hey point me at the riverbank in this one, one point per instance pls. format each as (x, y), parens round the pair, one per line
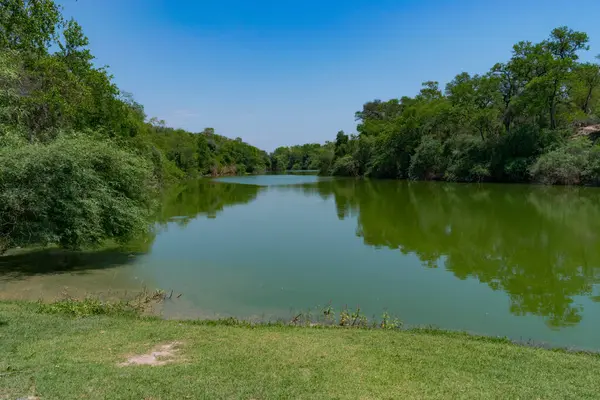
(54, 356)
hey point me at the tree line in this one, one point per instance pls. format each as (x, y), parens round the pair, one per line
(80, 162)
(300, 157)
(533, 118)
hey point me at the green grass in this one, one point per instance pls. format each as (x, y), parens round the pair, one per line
(57, 356)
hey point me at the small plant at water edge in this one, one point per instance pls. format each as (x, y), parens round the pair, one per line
(141, 303)
(329, 314)
(387, 322)
(87, 307)
(358, 318)
(345, 318)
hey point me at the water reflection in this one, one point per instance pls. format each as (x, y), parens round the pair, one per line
(203, 198)
(54, 261)
(539, 245)
(44, 273)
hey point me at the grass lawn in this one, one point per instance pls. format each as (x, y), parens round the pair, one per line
(49, 356)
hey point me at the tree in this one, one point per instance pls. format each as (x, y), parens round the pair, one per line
(75, 192)
(430, 91)
(492, 126)
(11, 109)
(28, 26)
(341, 144)
(204, 154)
(478, 101)
(73, 49)
(562, 47)
(586, 83)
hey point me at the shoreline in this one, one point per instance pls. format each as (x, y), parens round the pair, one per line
(55, 356)
(151, 310)
(151, 304)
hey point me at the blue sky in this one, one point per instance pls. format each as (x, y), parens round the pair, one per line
(290, 72)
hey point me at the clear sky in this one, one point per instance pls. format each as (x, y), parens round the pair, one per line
(290, 72)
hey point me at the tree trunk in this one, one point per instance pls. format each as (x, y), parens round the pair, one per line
(553, 106)
(553, 115)
(587, 100)
(507, 122)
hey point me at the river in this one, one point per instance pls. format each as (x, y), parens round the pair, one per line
(520, 261)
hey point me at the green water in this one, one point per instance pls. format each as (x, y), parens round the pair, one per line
(510, 260)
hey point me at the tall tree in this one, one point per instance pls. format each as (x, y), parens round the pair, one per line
(587, 81)
(28, 25)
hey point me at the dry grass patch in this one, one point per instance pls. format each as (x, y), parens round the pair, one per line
(160, 355)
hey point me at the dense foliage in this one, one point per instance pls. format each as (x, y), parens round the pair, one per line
(514, 123)
(72, 191)
(207, 153)
(78, 158)
(300, 157)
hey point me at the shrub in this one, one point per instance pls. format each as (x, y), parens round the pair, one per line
(74, 192)
(364, 153)
(428, 160)
(392, 153)
(517, 169)
(240, 169)
(575, 162)
(137, 305)
(164, 170)
(592, 171)
(467, 159)
(345, 166)
(326, 162)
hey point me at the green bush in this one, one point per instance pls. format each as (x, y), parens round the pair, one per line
(428, 161)
(592, 171)
(517, 169)
(576, 162)
(345, 166)
(164, 170)
(467, 159)
(74, 192)
(326, 162)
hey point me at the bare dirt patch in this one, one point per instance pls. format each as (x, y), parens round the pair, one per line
(591, 131)
(160, 355)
